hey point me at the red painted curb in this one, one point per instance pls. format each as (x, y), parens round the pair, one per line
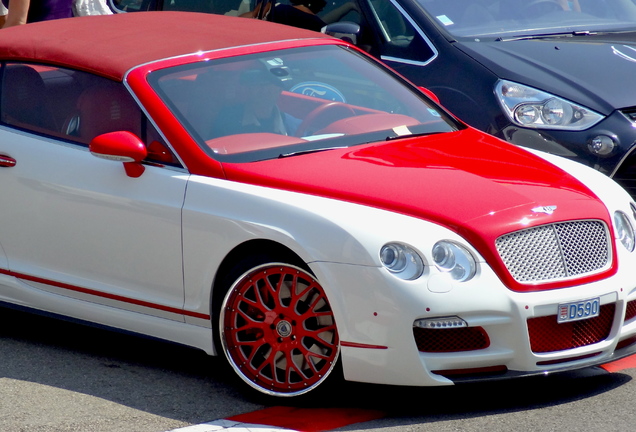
(619, 365)
(308, 419)
(325, 419)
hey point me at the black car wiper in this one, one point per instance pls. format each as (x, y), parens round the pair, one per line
(546, 36)
(308, 151)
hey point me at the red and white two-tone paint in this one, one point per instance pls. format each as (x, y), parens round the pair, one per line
(277, 197)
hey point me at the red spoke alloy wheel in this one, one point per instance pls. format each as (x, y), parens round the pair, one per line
(278, 330)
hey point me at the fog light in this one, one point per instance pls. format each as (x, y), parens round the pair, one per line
(440, 323)
(601, 145)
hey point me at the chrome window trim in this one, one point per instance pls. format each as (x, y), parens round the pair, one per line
(155, 125)
(114, 8)
(417, 29)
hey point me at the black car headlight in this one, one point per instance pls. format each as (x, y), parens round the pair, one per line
(528, 107)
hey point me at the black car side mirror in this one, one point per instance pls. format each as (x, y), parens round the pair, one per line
(345, 30)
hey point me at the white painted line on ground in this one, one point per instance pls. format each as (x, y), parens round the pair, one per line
(230, 426)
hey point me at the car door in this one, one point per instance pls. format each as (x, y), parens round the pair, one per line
(77, 225)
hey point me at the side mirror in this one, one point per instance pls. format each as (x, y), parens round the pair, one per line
(430, 94)
(122, 146)
(345, 30)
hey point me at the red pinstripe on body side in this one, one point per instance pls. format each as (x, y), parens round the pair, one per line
(103, 294)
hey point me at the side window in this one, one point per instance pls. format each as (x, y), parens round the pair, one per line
(71, 105)
(102, 106)
(341, 10)
(402, 40)
(24, 101)
(222, 7)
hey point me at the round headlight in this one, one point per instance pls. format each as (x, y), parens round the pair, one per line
(533, 108)
(402, 260)
(556, 112)
(454, 260)
(526, 114)
(624, 230)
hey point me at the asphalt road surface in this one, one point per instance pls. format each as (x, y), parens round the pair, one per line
(60, 376)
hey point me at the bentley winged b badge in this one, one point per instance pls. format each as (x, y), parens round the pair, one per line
(545, 209)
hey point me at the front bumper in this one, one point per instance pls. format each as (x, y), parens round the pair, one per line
(485, 375)
(375, 314)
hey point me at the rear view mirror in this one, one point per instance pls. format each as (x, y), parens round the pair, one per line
(430, 94)
(123, 147)
(345, 30)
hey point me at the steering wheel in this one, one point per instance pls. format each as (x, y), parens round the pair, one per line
(322, 116)
(538, 8)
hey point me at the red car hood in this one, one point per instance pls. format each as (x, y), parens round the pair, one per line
(474, 184)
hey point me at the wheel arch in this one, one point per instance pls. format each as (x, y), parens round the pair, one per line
(254, 249)
(253, 257)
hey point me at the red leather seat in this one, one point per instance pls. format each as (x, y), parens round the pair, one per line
(104, 108)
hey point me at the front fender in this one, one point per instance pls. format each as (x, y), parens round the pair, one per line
(220, 215)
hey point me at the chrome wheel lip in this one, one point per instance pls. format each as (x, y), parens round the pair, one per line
(237, 368)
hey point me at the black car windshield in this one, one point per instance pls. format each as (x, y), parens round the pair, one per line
(505, 18)
(291, 102)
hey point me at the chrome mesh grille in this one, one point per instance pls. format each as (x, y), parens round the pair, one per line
(556, 251)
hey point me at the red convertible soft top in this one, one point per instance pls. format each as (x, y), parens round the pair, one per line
(110, 45)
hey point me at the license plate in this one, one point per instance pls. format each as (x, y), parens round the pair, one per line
(579, 310)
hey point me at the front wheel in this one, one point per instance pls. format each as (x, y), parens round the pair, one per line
(278, 330)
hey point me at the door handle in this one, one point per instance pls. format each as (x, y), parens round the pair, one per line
(6, 161)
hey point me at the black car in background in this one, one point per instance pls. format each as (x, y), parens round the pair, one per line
(554, 75)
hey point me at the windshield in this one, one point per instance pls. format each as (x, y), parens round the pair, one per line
(289, 102)
(482, 18)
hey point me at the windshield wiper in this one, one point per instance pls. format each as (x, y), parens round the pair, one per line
(547, 36)
(308, 151)
(412, 135)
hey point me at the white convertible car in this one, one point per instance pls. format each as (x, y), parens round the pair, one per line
(279, 198)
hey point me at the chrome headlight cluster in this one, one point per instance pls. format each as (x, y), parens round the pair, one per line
(454, 260)
(529, 107)
(402, 260)
(624, 230)
(450, 258)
